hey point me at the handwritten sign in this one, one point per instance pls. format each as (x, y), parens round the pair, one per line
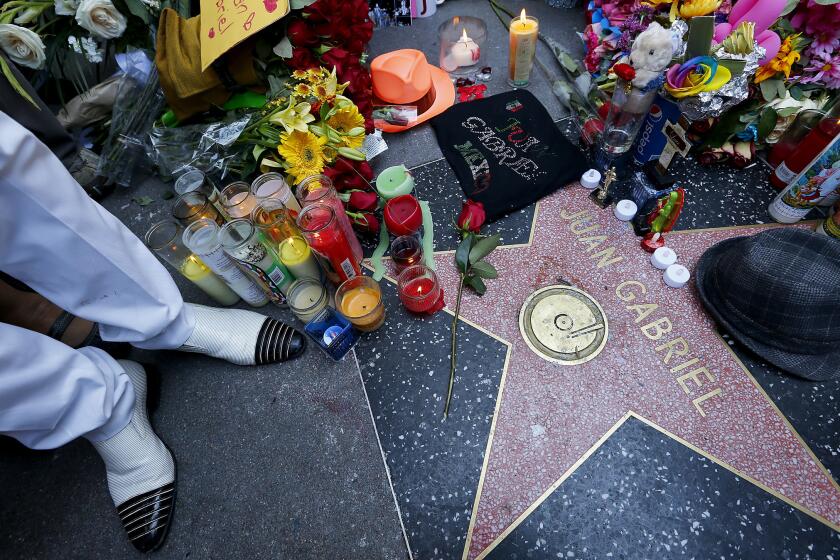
(226, 23)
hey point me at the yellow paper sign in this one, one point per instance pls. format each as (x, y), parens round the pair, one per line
(225, 23)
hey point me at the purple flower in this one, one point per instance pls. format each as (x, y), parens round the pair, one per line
(825, 69)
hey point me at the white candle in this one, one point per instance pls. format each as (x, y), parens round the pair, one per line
(625, 210)
(663, 257)
(272, 185)
(591, 179)
(465, 52)
(307, 298)
(676, 276)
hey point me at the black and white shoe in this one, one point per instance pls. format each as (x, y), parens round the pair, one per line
(242, 337)
(141, 472)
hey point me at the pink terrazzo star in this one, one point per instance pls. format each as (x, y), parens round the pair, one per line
(550, 415)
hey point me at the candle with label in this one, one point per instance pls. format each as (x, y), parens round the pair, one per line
(296, 255)
(274, 220)
(202, 238)
(165, 239)
(240, 239)
(524, 32)
(307, 298)
(319, 189)
(360, 300)
(419, 290)
(326, 237)
(273, 185)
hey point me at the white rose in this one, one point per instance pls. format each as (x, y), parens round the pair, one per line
(66, 7)
(28, 16)
(101, 18)
(22, 46)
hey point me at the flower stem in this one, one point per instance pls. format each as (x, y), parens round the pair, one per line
(453, 351)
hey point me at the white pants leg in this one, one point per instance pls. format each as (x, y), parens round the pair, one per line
(76, 254)
(51, 394)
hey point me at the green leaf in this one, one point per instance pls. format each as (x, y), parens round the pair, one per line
(168, 195)
(139, 9)
(300, 4)
(283, 49)
(7, 72)
(766, 123)
(477, 284)
(789, 7)
(258, 150)
(143, 200)
(484, 247)
(797, 93)
(770, 89)
(462, 254)
(486, 270)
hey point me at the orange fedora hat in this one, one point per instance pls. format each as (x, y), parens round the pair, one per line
(404, 77)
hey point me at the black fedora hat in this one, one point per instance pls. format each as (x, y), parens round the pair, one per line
(778, 293)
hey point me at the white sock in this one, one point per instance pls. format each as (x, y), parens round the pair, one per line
(136, 461)
(235, 334)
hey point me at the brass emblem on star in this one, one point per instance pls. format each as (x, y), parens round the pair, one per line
(563, 324)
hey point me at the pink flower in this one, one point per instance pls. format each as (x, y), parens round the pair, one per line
(819, 22)
(825, 69)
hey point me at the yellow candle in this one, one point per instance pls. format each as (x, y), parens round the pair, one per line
(360, 300)
(297, 256)
(524, 32)
(197, 272)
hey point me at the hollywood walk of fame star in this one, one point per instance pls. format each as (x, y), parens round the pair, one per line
(551, 416)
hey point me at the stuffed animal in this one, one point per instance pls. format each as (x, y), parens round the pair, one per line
(650, 54)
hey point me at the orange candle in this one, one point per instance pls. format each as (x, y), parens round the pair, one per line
(360, 300)
(524, 32)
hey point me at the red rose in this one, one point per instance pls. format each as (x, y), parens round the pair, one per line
(591, 130)
(364, 168)
(472, 216)
(363, 200)
(702, 126)
(300, 34)
(336, 57)
(743, 156)
(624, 71)
(302, 59)
(366, 223)
(604, 110)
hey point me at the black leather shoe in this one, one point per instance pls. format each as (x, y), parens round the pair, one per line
(278, 342)
(146, 518)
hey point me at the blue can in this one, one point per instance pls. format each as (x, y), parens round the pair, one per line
(651, 140)
(332, 333)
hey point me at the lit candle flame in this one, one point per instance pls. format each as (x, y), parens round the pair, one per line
(464, 37)
(522, 19)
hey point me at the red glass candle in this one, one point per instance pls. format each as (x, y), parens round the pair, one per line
(319, 189)
(809, 148)
(420, 291)
(403, 215)
(325, 235)
(406, 251)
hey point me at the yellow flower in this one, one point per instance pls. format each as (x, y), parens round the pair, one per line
(294, 117)
(694, 8)
(303, 89)
(299, 74)
(350, 124)
(782, 62)
(303, 153)
(320, 91)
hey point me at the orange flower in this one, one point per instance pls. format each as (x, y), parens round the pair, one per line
(782, 62)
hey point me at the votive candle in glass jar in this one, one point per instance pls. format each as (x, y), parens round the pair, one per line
(360, 300)
(523, 35)
(325, 235)
(241, 240)
(406, 251)
(419, 290)
(273, 185)
(296, 255)
(196, 181)
(274, 220)
(319, 189)
(307, 298)
(166, 240)
(192, 206)
(237, 200)
(461, 40)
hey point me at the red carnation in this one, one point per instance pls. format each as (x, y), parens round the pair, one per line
(302, 59)
(338, 58)
(624, 71)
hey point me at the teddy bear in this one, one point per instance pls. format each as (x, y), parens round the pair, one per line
(650, 54)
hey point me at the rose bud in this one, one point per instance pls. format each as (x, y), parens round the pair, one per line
(363, 200)
(366, 223)
(472, 216)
